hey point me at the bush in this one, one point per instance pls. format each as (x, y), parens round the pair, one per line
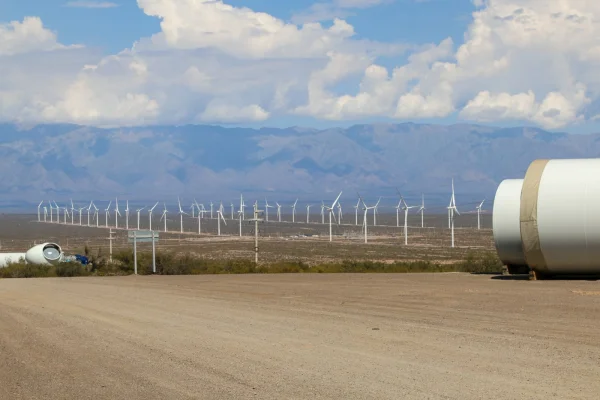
(483, 263)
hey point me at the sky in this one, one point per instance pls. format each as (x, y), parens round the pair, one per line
(300, 62)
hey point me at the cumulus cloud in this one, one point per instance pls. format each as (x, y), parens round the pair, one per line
(521, 60)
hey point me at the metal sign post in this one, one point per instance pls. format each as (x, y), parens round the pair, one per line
(143, 237)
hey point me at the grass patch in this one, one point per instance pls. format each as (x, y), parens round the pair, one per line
(168, 263)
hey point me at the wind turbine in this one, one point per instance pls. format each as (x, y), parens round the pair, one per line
(80, 210)
(45, 214)
(89, 209)
(219, 218)
(138, 216)
(150, 215)
(451, 210)
(308, 206)
(211, 210)
(39, 213)
(164, 216)
(96, 216)
(322, 212)
(106, 214)
(51, 211)
(232, 210)
(66, 213)
(375, 208)
(365, 222)
(340, 214)
(127, 215)
(294, 211)
(117, 213)
(422, 209)
(267, 206)
(193, 207)
(241, 212)
(405, 207)
(181, 213)
(356, 207)
(330, 210)
(200, 215)
(73, 209)
(479, 214)
(278, 211)
(398, 208)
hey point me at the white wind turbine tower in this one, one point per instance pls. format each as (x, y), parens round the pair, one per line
(96, 215)
(479, 209)
(294, 211)
(164, 216)
(181, 213)
(39, 213)
(375, 212)
(398, 208)
(308, 206)
(322, 212)
(356, 207)
(365, 222)
(73, 209)
(138, 211)
(405, 207)
(117, 213)
(422, 209)
(150, 215)
(340, 214)
(278, 211)
(65, 214)
(211, 210)
(127, 215)
(80, 210)
(219, 218)
(51, 211)
(232, 210)
(45, 214)
(267, 206)
(192, 207)
(89, 210)
(106, 214)
(331, 211)
(451, 210)
(57, 212)
(200, 215)
(241, 212)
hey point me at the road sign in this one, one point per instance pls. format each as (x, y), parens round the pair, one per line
(142, 236)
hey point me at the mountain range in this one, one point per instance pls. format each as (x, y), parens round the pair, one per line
(59, 162)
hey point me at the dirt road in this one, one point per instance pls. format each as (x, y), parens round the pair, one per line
(427, 336)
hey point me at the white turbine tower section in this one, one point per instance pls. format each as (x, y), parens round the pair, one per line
(405, 207)
(308, 206)
(138, 211)
(267, 206)
(398, 208)
(127, 215)
(422, 209)
(479, 209)
(340, 213)
(57, 208)
(150, 211)
(331, 211)
(356, 207)
(164, 216)
(294, 211)
(117, 213)
(181, 214)
(106, 214)
(39, 212)
(51, 211)
(73, 209)
(232, 210)
(45, 214)
(65, 214)
(322, 212)
(219, 218)
(452, 209)
(278, 211)
(211, 210)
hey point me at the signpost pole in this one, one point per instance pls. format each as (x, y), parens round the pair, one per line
(153, 254)
(135, 252)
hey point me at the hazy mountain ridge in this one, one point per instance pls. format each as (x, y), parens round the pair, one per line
(162, 162)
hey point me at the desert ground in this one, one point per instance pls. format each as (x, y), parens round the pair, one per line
(278, 240)
(317, 336)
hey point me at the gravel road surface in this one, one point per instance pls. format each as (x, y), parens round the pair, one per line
(404, 336)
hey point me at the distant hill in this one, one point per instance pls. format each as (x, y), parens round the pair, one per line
(212, 162)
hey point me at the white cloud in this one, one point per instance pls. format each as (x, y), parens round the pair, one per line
(522, 60)
(326, 11)
(91, 4)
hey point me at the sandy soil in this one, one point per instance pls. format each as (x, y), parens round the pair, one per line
(424, 336)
